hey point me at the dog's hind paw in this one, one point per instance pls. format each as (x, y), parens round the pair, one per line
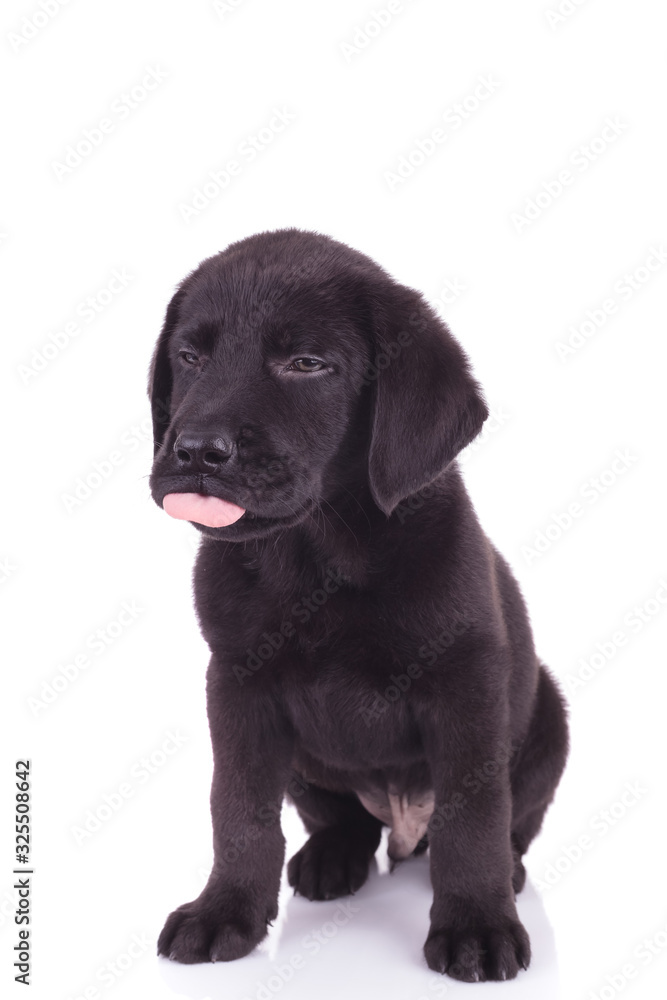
(333, 862)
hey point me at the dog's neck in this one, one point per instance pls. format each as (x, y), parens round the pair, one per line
(339, 535)
(345, 537)
(335, 541)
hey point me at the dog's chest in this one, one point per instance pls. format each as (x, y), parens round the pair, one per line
(378, 755)
(338, 663)
(339, 716)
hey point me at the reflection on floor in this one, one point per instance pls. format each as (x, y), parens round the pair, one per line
(366, 945)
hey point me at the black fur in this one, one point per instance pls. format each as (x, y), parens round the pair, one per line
(364, 632)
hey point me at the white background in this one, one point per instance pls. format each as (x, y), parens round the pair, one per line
(454, 223)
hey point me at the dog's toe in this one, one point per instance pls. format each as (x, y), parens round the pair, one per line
(477, 953)
(197, 932)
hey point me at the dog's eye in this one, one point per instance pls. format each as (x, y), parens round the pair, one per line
(188, 357)
(306, 365)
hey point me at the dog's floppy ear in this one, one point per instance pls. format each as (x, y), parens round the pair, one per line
(427, 405)
(159, 375)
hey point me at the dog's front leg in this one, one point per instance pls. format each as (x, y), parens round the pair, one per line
(475, 931)
(252, 747)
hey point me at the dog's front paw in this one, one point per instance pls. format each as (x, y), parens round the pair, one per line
(478, 952)
(212, 930)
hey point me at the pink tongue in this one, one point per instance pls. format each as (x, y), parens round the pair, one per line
(211, 511)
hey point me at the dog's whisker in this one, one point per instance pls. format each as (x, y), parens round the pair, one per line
(341, 518)
(358, 503)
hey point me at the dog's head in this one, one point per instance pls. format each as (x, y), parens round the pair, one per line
(290, 367)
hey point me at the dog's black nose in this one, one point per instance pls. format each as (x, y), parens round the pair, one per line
(202, 451)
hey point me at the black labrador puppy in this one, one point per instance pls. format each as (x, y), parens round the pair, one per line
(372, 657)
